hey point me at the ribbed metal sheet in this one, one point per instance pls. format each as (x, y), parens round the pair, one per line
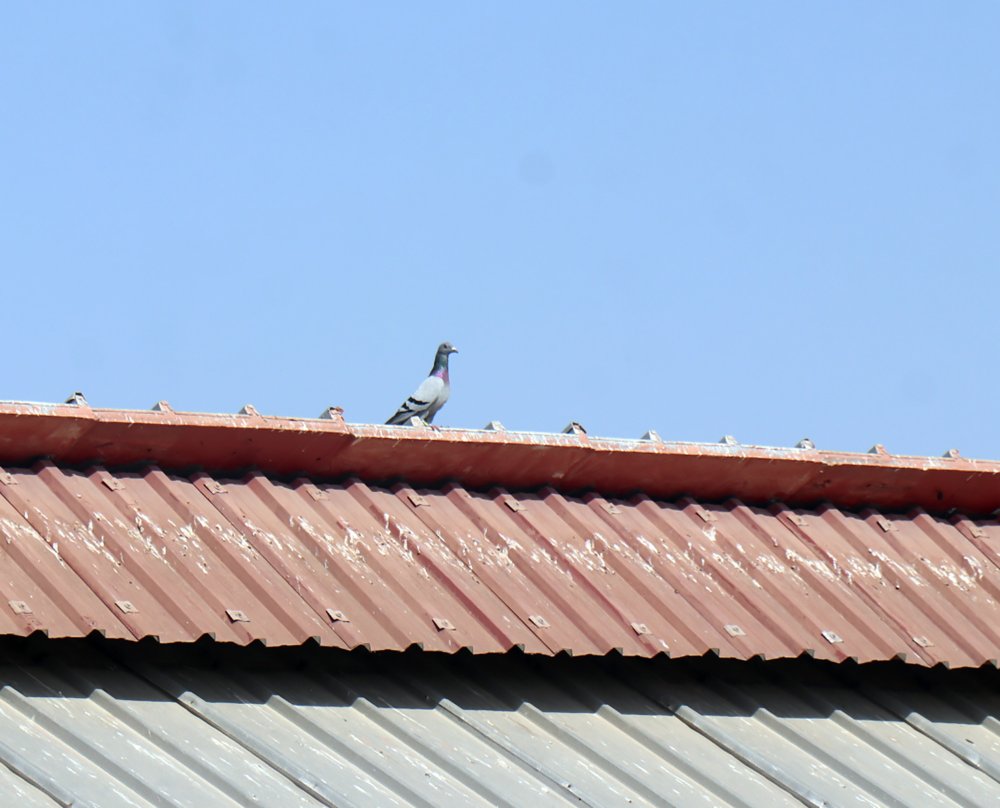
(415, 731)
(176, 557)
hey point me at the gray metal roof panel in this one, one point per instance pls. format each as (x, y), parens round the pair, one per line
(137, 729)
(22, 782)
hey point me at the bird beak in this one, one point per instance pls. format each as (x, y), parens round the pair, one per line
(453, 350)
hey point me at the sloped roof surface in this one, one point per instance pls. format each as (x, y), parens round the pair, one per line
(177, 557)
(364, 561)
(140, 731)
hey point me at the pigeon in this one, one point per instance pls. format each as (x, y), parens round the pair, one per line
(432, 393)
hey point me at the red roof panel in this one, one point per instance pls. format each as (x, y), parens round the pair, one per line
(446, 565)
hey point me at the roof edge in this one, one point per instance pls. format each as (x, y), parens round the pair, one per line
(328, 447)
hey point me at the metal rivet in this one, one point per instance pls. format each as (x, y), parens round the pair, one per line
(952, 454)
(640, 628)
(728, 440)
(416, 500)
(610, 507)
(513, 504)
(494, 426)
(19, 607)
(338, 616)
(236, 616)
(832, 637)
(441, 624)
(126, 606)
(538, 620)
(214, 487)
(734, 630)
(7, 478)
(574, 428)
(652, 435)
(923, 642)
(705, 516)
(884, 523)
(249, 409)
(805, 443)
(112, 482)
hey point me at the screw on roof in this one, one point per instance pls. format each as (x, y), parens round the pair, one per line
(653, 435)
(162, 406)
(112, 483)
(249, 409)
(878, 449)
(332, 414)
(952, 453)
(495, 426)
(78, 399)
(729, 440)
(805, 443)
(213, 486)
(417, 500)
(574, 428)
(513, 504)
(705, 516)
(316, 493)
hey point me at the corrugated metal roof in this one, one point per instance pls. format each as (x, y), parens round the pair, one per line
(80, 729)
(178, 557)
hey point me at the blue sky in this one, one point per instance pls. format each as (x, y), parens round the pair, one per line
(769, 220)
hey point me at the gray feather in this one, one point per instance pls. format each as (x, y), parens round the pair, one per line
(432, 393)
(425, 402)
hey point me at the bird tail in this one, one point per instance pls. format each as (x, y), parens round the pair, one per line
(400, 417)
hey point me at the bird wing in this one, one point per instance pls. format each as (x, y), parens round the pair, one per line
(438, 403)
(421, 402)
